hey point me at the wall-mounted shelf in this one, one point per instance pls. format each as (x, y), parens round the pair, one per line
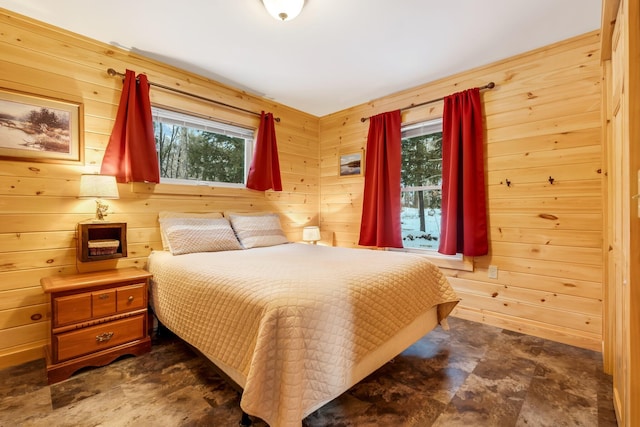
(101, 240)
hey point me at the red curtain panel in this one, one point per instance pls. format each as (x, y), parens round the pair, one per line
(264, 172)
(131, 153)
(464, 205)
(380, 224)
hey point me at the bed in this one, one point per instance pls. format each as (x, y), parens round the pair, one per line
(296, 325)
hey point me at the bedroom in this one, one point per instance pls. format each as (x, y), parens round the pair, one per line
(543, 120)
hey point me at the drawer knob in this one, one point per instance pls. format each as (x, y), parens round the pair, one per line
(106, 336)
(130, 298)
(103, 296)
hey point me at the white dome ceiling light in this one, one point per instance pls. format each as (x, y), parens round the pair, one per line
(283, 10)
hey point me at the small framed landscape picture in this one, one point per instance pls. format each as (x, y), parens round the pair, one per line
(351, 164)
(39, 129)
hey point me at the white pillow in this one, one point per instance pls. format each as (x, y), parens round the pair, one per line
(188, 235)
(168, 214)
(257, 230)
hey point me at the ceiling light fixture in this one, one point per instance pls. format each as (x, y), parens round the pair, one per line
(283, 10)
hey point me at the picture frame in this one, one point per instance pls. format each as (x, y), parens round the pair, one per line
(351, 163)
(40, 129)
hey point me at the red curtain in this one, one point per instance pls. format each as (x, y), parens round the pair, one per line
(131, 153)
(464, 206)
(380, 224)
(264, 172)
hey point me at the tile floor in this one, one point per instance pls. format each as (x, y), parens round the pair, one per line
(472, 375)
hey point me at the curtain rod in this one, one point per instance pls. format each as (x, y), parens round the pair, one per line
(114, 73)
(489, 85)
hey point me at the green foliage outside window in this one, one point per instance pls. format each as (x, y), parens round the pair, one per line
(217, 158)
(422, 165)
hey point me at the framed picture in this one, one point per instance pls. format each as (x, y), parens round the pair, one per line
(39, 129)
(351, 164)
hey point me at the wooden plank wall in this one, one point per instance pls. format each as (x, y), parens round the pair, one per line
(542, 121)
(39, 209)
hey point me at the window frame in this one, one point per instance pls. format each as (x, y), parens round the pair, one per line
(453, 262)
(205, 123)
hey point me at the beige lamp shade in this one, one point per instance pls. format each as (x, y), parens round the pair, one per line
(311, 234)
(283, 10)
(99, 187)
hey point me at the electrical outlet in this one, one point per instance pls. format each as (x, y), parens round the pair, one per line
(493, 272)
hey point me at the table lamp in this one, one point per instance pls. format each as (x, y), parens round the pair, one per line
(311, 234)
(99, 187)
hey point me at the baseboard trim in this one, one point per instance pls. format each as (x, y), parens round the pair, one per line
(18, 355)
(530, 327)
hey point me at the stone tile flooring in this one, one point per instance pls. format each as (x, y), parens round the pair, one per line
(472, 375)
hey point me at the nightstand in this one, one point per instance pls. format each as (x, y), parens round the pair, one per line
(96, 318)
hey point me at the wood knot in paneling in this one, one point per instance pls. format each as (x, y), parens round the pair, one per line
(548, 216)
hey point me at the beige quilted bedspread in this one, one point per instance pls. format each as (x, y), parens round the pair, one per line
(293, 319)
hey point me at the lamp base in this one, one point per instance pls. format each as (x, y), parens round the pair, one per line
(101, 211)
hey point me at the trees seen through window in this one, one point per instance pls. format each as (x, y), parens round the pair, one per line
(195, 149)
(421, 180)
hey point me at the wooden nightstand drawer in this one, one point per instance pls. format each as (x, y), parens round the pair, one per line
(131, 297)
(71, 309)
(104, 303)
(99, 337)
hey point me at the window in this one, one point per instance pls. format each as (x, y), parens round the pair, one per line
(192, 149)
(421, 193)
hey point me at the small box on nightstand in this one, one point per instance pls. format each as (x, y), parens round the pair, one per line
(102, 240)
